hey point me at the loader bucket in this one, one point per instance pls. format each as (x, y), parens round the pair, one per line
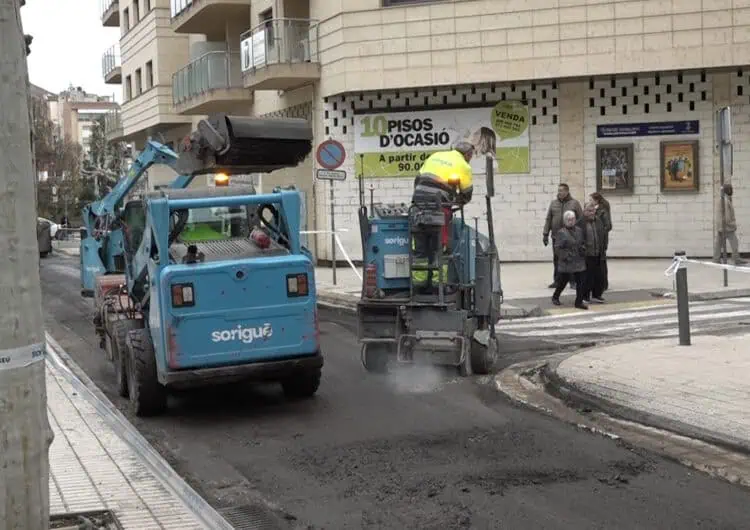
(236, 144)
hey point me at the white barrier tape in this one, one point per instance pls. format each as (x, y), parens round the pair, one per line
(21, 357)
(679, 260)
(346, 256)
(324, 231)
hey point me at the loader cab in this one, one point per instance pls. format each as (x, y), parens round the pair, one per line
(133, 220)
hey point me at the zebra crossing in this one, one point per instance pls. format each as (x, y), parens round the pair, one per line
(658, 321)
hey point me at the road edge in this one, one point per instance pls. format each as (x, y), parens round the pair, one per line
(201, 509)
(522, 385)
(573, 394)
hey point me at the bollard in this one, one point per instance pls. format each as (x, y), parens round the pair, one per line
(683, 302)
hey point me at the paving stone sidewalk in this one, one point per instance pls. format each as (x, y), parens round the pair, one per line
(700, 390)
(92, 468)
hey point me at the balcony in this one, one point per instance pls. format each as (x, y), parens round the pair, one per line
(207, 17)
(211, 83)
(111, 69)
(280, 54)
(113, 126)
(109, 10)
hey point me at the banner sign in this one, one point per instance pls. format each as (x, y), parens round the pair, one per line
(396, 144)
(663, 128)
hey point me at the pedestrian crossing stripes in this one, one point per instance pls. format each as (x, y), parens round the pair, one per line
(653, 321)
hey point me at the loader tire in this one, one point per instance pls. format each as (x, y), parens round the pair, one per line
(147, 396)
(483, 357)
(119, 349)
(375, 358)
(302, 384)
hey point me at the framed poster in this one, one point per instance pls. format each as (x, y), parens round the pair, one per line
(614, 168)
(679, 166)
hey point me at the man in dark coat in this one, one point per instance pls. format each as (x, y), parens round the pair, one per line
(594, 236)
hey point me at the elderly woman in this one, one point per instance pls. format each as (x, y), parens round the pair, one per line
(594, 235)
(570, 248)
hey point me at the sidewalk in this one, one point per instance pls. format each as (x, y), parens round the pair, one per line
(700, 391)
(525, 284)
(93, 468)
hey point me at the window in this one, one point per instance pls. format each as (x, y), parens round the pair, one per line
(128, 88)
(125, 20)
(146, 6)
(138, 82)
(149, 75)
(136, 12)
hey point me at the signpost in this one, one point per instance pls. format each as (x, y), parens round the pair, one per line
(724, 141)
(331, 174)
(330, 156)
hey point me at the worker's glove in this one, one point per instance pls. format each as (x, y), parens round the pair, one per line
(545, 239)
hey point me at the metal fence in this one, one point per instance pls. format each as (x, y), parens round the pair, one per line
(214, 70)
(280, 41)
(178, 6)
(110, 60)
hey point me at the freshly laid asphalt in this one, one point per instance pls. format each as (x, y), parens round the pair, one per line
(412, 450)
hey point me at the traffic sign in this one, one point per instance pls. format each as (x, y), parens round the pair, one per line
(329, 174)
(330, 154)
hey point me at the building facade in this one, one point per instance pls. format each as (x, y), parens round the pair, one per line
(615, 96)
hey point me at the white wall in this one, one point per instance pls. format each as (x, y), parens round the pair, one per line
(520, 201)
(649, 223)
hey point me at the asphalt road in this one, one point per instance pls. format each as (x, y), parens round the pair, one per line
(423, 451)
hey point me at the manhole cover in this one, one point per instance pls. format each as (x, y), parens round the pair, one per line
(253, 517)
(99, 520)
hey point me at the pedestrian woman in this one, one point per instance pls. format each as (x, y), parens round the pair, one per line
(570, 248)
(593, 236)
(604, 214)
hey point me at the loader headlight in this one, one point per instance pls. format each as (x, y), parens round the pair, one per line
(182, 295)
(296, 285)
(221, 179)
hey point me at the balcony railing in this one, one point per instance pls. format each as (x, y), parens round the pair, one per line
(279, 41)
(110, 60)
(214, 70)
(178, 6)
(106, 5)
(112, 123)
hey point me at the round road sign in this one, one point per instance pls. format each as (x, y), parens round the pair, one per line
(331, 154)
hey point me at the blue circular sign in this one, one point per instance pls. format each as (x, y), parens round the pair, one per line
(331, 154)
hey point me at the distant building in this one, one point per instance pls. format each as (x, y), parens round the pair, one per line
(74, 113)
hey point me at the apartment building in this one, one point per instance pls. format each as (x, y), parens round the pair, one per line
(74, 113)
(616, 96)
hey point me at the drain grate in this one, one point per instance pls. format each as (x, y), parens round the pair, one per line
(253, 517)
(95, 520)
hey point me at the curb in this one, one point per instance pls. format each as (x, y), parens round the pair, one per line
(169, 478)
(346, 304)
(704, 297)
(574, 396)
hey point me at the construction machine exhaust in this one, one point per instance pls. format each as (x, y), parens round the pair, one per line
(242, 145)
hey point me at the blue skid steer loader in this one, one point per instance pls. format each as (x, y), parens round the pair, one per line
(450, 323)
(201, 286)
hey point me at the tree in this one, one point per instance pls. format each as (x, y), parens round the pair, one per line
(60, 160)
(104, 164)
(25, 434)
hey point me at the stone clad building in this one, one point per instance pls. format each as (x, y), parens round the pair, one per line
(612, 95)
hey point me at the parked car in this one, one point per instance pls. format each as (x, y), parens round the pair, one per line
(53, 227)
(44, 236)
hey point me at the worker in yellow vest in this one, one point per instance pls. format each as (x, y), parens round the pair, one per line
(445, 179)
